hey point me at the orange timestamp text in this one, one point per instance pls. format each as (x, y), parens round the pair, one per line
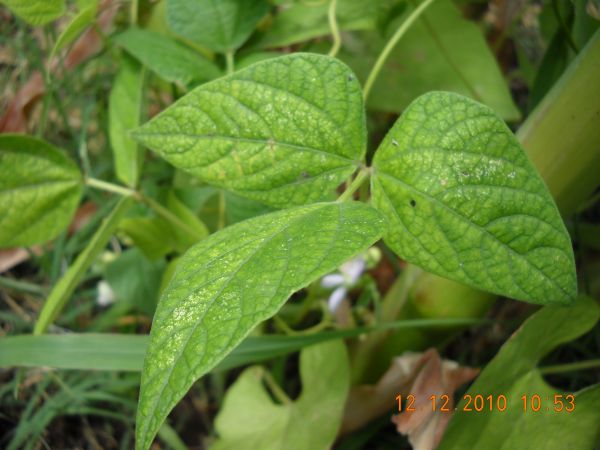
(488, 403)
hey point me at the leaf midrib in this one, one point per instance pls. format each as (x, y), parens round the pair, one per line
(242, 140)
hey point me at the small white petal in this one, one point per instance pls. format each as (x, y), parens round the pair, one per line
(332, 280)
(353, 269)
(106, 295)
(336, 298)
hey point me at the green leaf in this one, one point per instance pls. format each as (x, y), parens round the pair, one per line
(182, 240)
(36, 12)
(250, 419)
(75, 27)
(40, 188)
(513, 373)
(231, 281)
(62, 291)
(217, 25)
(286, 131)
(299, 21)
(440, 51)
(150, 234)
(169, 59)
(465, 202)
(124, 109)
(135, 280)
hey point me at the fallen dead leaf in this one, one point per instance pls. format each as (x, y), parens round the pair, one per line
(418, 374)
(16, 114)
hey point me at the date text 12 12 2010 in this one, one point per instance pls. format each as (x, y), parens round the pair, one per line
(487, 403)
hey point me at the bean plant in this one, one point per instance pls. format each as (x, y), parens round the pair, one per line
(449, 189)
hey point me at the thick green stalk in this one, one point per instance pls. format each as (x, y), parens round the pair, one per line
(562, 135)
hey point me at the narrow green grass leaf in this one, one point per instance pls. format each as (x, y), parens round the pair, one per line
(464, 202)
(228, 283)
(36, 12)
(166, 57)
(40, 188)
(285, 131)
(62, 291)
(124, 109)
(123, 352)
(249, 418)
(513, 373)
(75, 27)
(217, 25)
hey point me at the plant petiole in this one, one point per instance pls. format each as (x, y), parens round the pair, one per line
(364, 173)
(151, 203)
(390, 46)
(335, 31)
(111, 187)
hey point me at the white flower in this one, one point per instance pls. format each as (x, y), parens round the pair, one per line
(106, 295)
(349, 274)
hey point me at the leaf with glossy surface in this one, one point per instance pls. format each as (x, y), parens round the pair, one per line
(124, 109)
(36, 12)
(286, 131)
(464, 202)
(40, 188)
(166, 57)
(250, 419)
(513, 373)
(231, 281)
(217, 25)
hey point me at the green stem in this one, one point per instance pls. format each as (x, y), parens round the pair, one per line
(276, 390)
(169, 216)
(151, 203)
(335, 31)
(571, 367)
(22, 286)
(230, 61)
(390, 46)
(355, 185)
(133, 13)
(111, 187)
(221, 216)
